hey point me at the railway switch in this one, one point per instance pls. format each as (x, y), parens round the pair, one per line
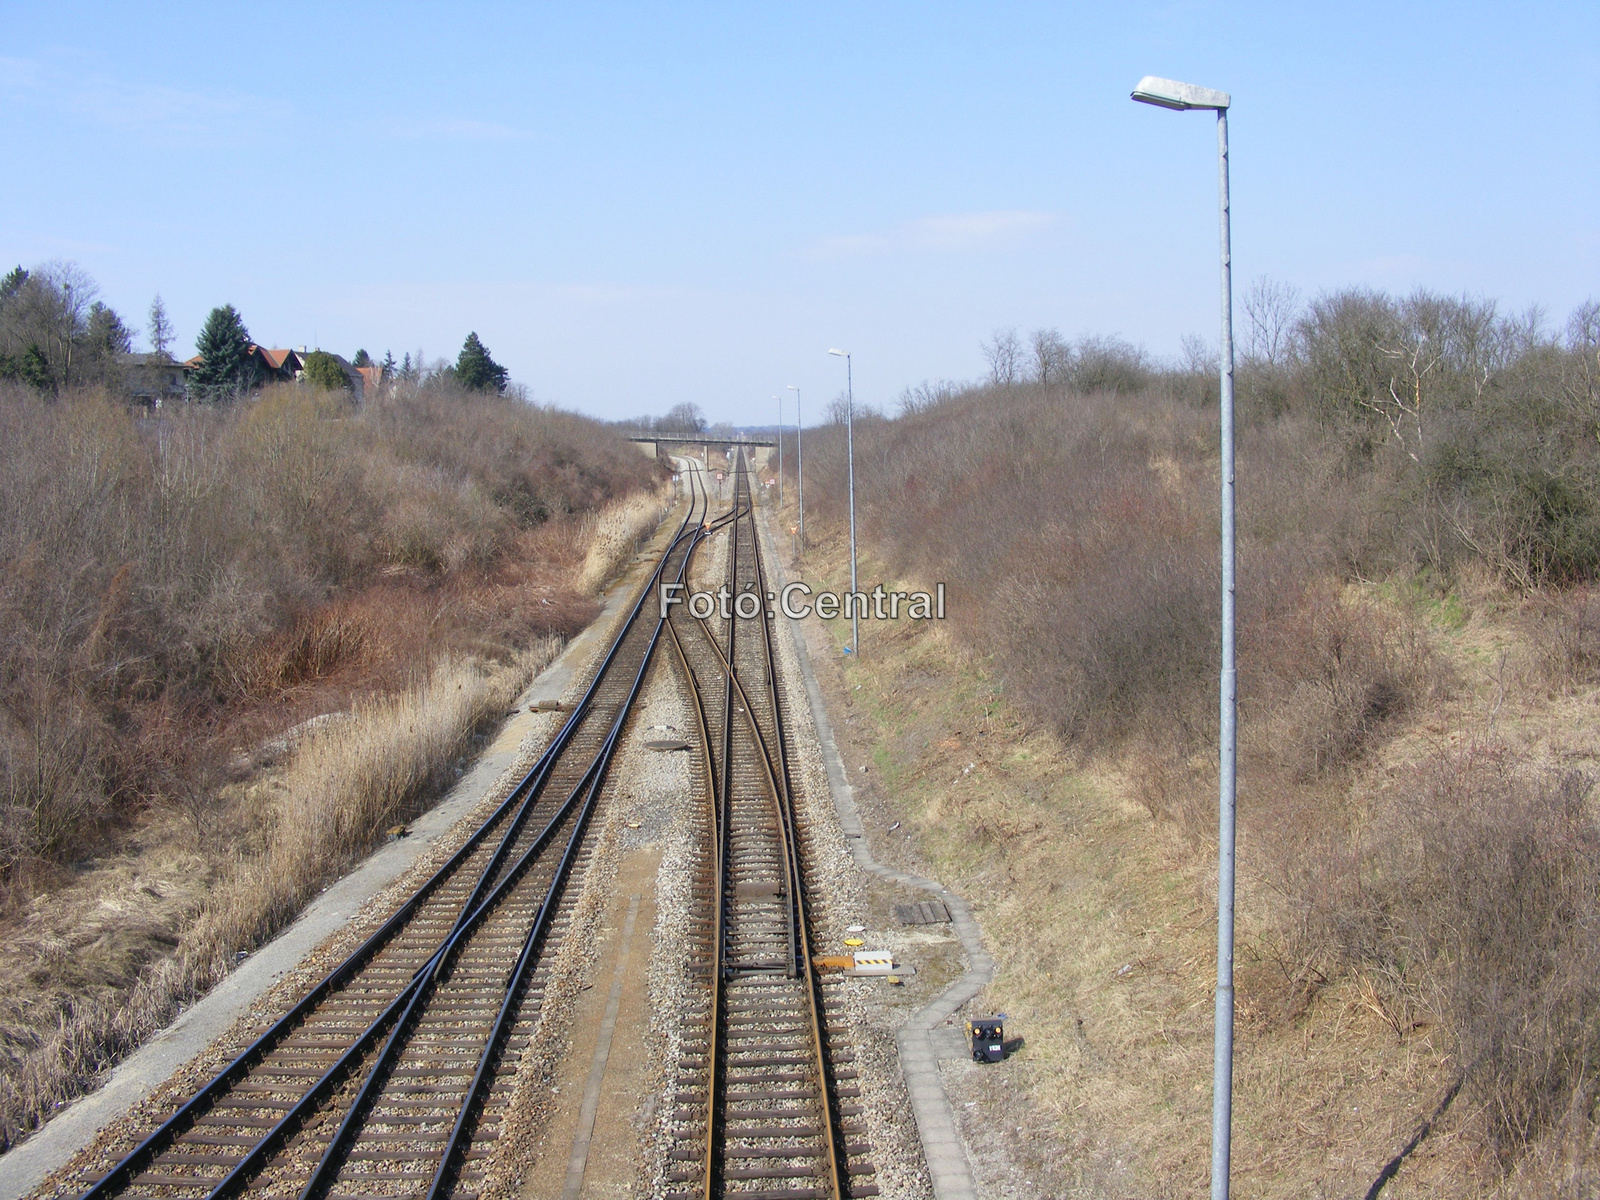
(988, 1038)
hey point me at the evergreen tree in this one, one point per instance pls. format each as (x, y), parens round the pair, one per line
(407, 371)
(226, 366)
(476, 370)
(107, 336)
(160, 327)
(388, 365)
(362, 359)
(12, 283)
(30, 367)
(323, 369)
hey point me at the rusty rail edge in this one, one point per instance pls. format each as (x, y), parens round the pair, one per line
(942, 1145)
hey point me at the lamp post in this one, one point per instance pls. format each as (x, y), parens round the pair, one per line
(779, 399)
(850, 452)
(1168, 93)
(800, 459)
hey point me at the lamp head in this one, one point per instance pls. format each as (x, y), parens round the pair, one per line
(1169, 93)
(840, 353)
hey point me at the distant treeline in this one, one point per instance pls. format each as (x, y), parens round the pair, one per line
(56, 334)
(1480, 429)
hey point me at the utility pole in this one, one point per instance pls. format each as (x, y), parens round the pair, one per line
(800, 459)
(1168, 93)
(850, 451)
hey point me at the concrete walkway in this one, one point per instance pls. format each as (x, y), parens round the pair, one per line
(25, 1167)
(922, 1043)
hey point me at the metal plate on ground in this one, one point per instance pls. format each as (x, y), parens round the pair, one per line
(927, 912)
(756, 891)
(665, 744)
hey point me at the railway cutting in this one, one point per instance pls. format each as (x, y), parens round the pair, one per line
(392, 1076)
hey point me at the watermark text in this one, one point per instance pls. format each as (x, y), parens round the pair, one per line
(798, 600)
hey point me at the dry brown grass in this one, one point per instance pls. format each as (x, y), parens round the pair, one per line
(1407, 912)
(1479, 905)
(298, 828)
(1102, 922)
(178, 593)
(614, 534)
(182, 573)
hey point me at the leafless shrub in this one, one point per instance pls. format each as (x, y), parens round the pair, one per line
(1565, 632)
(1338, 671)
(1480, 902)
(345, 784)
(202, 561)
(925, 396)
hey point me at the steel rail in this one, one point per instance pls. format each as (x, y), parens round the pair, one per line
(255, 1159)
(240, 1175)
(776, 773)
(830, 1102)
(589, 787)
(486, 1062)
(443, 1175)
(698, 704)
(527, 789)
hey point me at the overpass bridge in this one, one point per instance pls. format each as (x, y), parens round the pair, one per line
(758, 449)
(703, 439)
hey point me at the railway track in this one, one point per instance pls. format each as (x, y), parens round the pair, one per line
(765, 1106)
(388, 1077)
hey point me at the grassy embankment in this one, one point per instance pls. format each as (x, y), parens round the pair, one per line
(241, 643)
(1419, 885)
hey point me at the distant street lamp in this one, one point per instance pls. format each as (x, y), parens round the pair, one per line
(1168, 93)
(779, 399)
(850, 452)
(800, 459)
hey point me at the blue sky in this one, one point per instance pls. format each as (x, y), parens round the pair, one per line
(636, 205)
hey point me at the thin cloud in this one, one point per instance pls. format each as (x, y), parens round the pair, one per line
(956, 231)
(135, 107)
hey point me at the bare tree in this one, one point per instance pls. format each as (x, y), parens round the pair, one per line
(1271, 311)
(50, 314)
(1108, 364)
(926, 396)
(160, 328)
(1582, 380)
(1004, 352)
(1445, 345)
(1402, 406)
(74, 295)
(1200, 357)
(682, 418)
(1052, 357)
(837, 411)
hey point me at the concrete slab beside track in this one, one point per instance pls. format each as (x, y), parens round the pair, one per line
(922, 1041)
(25, 1167)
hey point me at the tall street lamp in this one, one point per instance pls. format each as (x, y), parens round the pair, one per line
(800, 459)
(1168, 93)
(850, 451)
(779, 399)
